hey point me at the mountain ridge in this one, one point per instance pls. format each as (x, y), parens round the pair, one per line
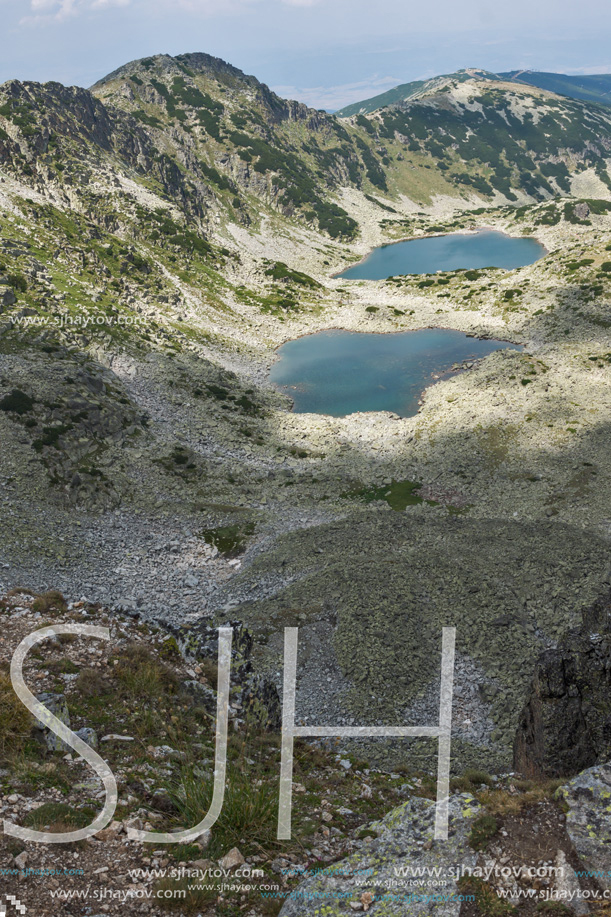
(591, 88)
(221, 149)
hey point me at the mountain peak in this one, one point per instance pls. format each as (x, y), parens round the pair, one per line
(196, 62)
(591, 88)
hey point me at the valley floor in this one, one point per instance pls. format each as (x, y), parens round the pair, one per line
(204, 495)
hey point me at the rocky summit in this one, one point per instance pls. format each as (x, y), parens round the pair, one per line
(161, 235)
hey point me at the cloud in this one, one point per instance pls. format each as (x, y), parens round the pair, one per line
(45, 11)
(331, 98)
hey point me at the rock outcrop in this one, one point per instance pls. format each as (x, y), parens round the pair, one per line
(588, 821)
(256, 696)
(566, 724)
(379, 877)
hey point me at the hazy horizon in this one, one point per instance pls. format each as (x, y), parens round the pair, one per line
(327, 53)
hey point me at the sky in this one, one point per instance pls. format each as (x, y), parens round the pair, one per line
(327, 53)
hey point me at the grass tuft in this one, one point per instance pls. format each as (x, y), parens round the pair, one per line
(15, 721)
(50, 602)
(248, 815)
(483, 830)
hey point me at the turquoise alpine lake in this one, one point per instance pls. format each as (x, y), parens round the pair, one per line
(468, 251)
(342, 372)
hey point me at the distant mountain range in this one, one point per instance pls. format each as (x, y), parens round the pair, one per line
(221, 148)
(594, 88)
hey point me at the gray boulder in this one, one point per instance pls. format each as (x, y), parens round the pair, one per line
(383, 876)
(582, 210)
(7, 297)
(55, 704)
(588, 821)
(89, 736)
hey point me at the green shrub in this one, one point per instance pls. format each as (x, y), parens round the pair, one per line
(280, 271)
(213, 175)
(486, 898)
(50, 602)
(477, 777)
(145, 118)
(229, 539)
(399, 494)
(91, 683)
(18, 282)
(188, 897)
(143, 675)
(247, 405)
(483, 830)
(17, 402)
(58, 817)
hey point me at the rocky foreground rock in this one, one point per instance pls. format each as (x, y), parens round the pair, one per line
(377, 878)
(588, 820)
(530, 853)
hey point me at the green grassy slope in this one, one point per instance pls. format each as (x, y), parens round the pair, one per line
(494, 137)
(591, 88)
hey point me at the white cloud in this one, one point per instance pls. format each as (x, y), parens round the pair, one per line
(45, 11)
(104, 4)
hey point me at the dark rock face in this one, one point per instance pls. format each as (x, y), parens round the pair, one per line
(7, 298)
(257, 696)
(566, 725)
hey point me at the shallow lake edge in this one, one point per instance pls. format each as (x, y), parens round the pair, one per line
(338, 275)
(448, 373)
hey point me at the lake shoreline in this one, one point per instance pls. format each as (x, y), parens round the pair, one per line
(408, 390)
(339, 275)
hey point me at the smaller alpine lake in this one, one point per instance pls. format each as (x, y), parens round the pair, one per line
(468, 251)
(342, 372)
